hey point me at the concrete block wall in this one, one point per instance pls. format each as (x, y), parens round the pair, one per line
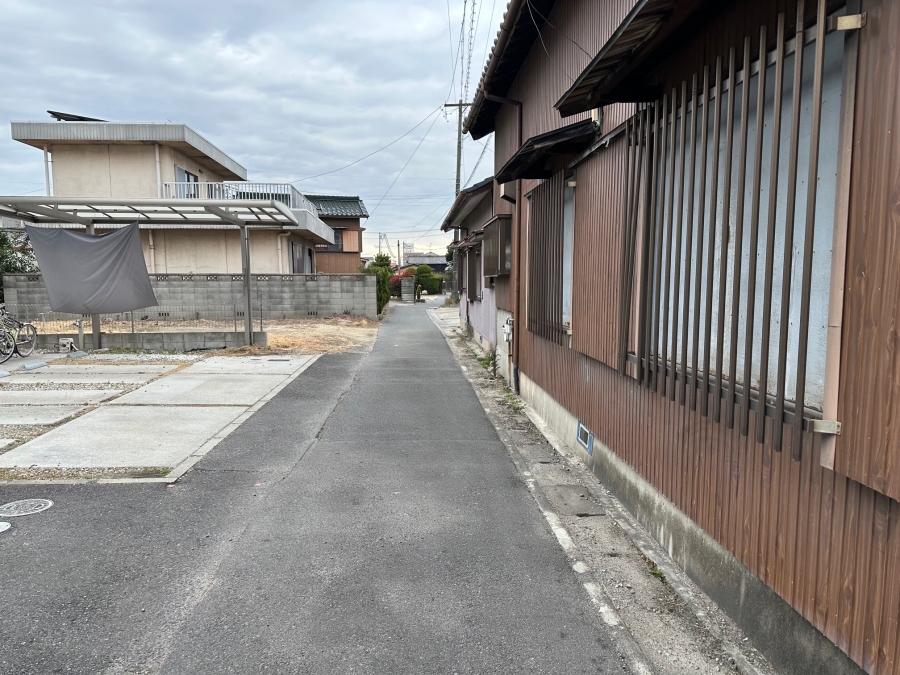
(179, 342)
(287, 296)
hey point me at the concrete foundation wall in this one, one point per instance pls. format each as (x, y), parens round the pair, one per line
(288, 296)
(178, 342)
(790, 642)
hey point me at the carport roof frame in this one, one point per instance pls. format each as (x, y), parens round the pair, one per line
(111, 213)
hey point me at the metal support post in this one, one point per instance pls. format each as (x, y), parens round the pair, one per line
(95, 318)
(248, 303)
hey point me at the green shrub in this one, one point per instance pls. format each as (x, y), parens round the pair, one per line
(382, 284)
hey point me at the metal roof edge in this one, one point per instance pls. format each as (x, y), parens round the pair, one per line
(138, 132)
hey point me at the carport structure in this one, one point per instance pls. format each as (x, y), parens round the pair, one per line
(108, 213)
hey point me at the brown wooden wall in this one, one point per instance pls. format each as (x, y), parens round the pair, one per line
(337, 263)
(826, 544)
(825, 541)
(869, 397)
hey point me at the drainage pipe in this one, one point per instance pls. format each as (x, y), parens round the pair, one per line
(152, 253)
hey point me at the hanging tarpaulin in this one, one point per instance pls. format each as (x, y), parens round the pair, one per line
(88, 274)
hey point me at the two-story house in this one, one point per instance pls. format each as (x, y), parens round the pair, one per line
(98, 159)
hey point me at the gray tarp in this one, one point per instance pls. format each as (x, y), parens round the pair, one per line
(89, 274)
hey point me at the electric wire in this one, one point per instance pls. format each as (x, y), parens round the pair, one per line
(384, 147)
(541, 38)
(547, 21)
(404, 166)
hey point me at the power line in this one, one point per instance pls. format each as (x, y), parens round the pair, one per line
(547, 21)
(480, 157)
(541, 38)
(385, 147)
(404, 166)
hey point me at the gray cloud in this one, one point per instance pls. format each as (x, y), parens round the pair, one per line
(288, 89)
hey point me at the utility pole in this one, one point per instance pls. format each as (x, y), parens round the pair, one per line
(399, 259)
(454, 291)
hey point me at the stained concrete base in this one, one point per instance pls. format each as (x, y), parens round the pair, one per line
(203, 389)
(100, 373)
(122, 436)
(56, 396)
(36, 414)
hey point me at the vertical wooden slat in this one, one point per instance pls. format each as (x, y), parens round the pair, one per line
(701, 212)
(808, 238)
(637, 132)
(649, 269)
(784, 326)
(664, 352)
(688, 247)
(643, 224)
(711, 247)
(770, 225)
(739, 242)
(679, 228)
(624, 282)
(723, 253)
(754, 237)
(657, 307)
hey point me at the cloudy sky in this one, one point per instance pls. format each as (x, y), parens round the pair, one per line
(289, 89)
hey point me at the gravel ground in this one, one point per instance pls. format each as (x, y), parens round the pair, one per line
(663, 624)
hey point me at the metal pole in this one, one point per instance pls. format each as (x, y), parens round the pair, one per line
(245, 261)
(458, 143)
(95, 318)
(399, 259)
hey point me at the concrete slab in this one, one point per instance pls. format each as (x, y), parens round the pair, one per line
(43, 375)
(124, 436)
(570, 501)
(203, 389)
(240, 365)
(36, 414)
(6, 441)
(57, 396)
(105, 368)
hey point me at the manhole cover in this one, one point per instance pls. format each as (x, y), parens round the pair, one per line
(24, 507)
(4, 527)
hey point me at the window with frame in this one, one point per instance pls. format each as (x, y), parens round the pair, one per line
(730, 215)
(473, 265)
(497, 250)
(338, 245)
(551, 248)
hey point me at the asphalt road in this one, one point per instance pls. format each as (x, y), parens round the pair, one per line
(366, 520)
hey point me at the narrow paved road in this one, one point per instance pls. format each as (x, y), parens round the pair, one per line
(366, 520)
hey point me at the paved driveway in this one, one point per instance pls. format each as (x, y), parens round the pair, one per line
(373, 523)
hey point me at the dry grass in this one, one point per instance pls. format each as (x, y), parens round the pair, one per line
(320, 335)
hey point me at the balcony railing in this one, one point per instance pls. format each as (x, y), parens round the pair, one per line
(282, 192)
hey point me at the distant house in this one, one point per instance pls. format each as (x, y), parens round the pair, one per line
(87, 158)
(343, 214)
(479, 217)
(436, 261)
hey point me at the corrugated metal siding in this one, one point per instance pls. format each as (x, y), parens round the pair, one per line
(826, 544)
(868, 449)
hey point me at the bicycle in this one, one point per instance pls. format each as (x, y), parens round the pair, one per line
(15, 337)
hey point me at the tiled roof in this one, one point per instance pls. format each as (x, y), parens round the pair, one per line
(339, 206)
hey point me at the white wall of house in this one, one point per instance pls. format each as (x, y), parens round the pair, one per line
(216, 251)
(99, 170)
